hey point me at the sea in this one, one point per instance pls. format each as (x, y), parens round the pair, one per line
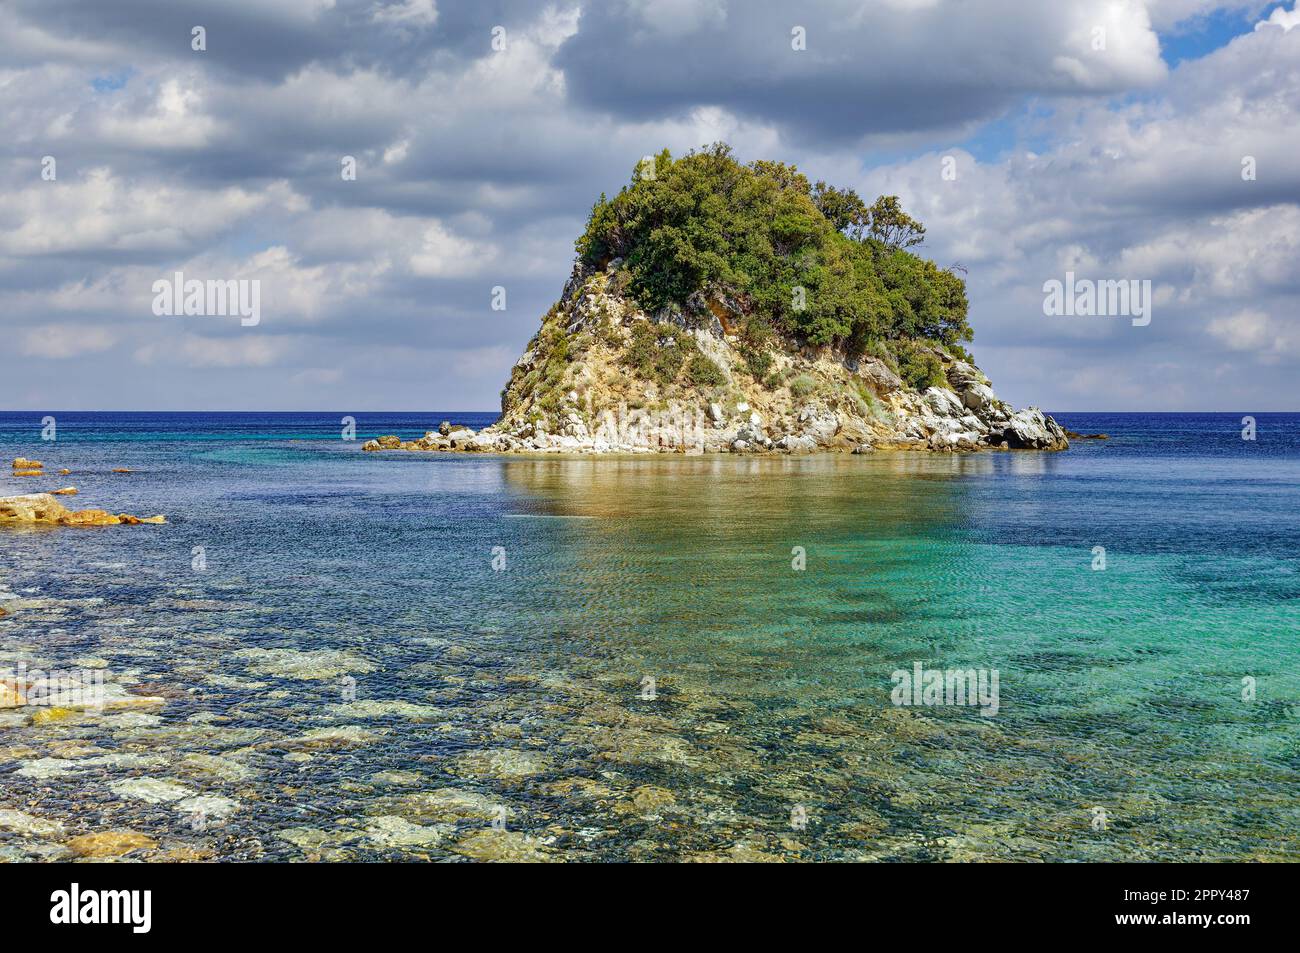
(329, 654)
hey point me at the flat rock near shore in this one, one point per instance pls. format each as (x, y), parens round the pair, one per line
(43, 508)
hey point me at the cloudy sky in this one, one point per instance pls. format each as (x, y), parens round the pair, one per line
(1106, 137)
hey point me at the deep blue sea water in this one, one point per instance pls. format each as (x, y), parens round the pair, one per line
(348, 663)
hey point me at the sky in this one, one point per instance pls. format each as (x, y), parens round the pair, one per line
(1116, 139)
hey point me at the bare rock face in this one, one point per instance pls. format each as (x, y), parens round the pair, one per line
(32, 508)
(604, 376)
(878, 374)
(43, 508)
(1031, 429)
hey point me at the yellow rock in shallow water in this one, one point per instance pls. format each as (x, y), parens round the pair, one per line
(22, 463)
(31, 508)
(66, 491)
(504, 846)
(110, 843)
(47, 715)
(44, 508)
(90, 518)
(647, 799)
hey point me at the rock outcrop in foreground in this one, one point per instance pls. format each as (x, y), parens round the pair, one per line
(43, 508)
(603, 376)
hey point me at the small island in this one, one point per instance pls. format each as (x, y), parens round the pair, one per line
(720, 307)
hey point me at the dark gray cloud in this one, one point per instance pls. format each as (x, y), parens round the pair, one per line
(259, 40)
(863, 69)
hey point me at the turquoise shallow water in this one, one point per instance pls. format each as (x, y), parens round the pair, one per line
(350, 678)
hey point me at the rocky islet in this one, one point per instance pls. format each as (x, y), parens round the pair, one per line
(589, 401)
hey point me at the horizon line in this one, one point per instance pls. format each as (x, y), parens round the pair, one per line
(482, 412)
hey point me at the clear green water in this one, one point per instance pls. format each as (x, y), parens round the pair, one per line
(1119, 689)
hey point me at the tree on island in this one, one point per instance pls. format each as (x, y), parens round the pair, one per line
(809, 261)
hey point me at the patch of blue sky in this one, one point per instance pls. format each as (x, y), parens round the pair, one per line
(990, 141)
(246, 242)
(112, 82)
(994, 139)
(1204, 34)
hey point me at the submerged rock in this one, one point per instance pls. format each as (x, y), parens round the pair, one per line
(11, 696)
(206, 765)
(307, 838)
(648, 801)
(741, 853)
(306, 666)
(150, 789)
(43, 769)
(208, 807)
(504, 764)
(110, 843)
(60, 696)
(393, 831)
(447, 804)
(397, 778)
(342, 736)
(375, 708)
(27, 825)
(514, 847)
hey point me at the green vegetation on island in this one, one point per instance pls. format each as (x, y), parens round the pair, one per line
(804, 260)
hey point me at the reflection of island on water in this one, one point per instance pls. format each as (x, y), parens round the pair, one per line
(821, 569)
(879, 537)
(735, 489)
